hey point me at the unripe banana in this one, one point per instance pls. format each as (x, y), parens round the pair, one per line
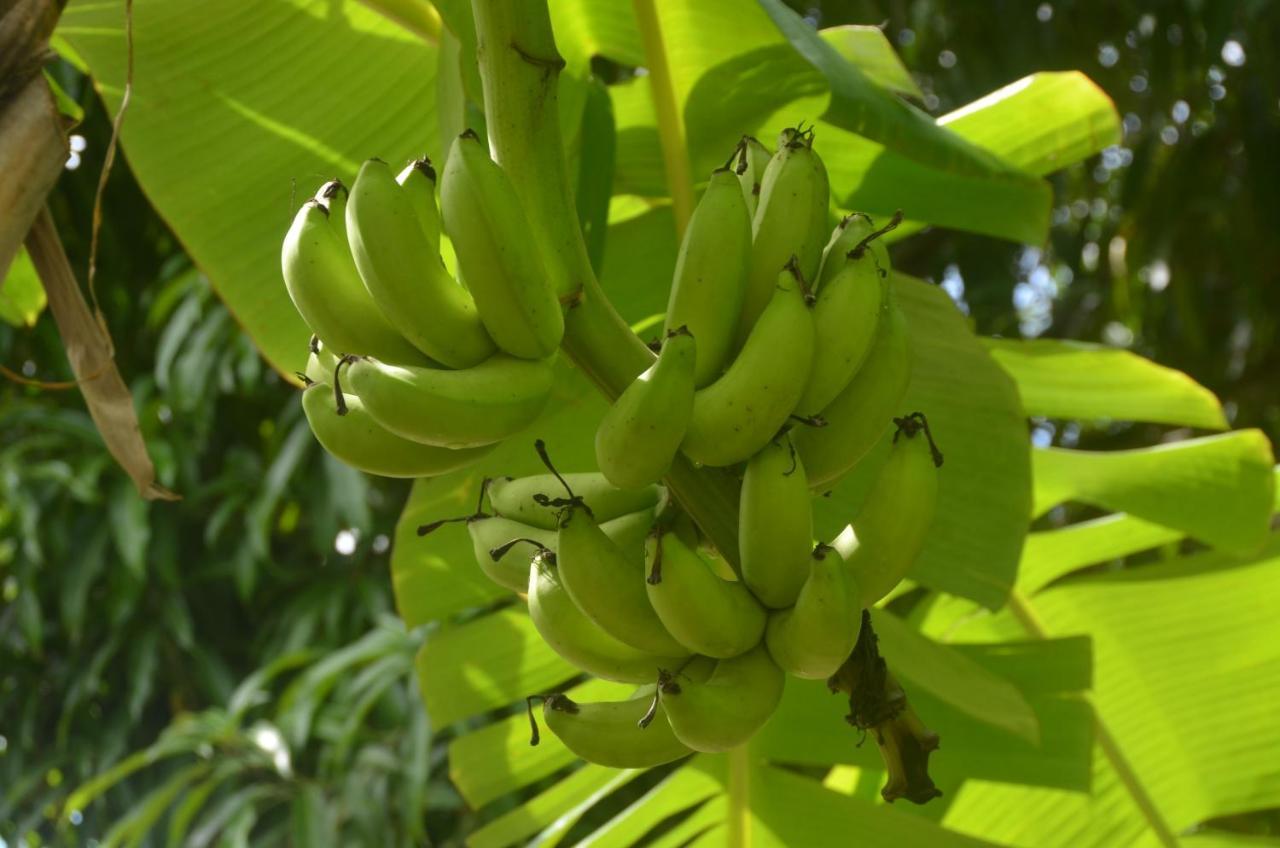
(492, 534)
(704, 612)
(726, 711)
(751, 161)
(845, 319)
(405, 275)
(711, 274)
(321, 363)
(813, 638)
(863, 410)
(459, 409)
(640, 434)
(498, 254)
(516, 497)
(354, 437)
(620, 734)
(739, 413)
(897, 512)
(852, 231)
(578, 640)
(324, 286)
(790, 220)
(775, 524)
(418, 182)
(333, 197)
(608, 585)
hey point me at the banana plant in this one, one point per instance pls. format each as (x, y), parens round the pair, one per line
(1079, 702)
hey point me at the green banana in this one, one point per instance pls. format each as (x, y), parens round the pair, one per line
(333, 197)
(515, 544)
(321, 363)
(704, 612)
(863, 410)
(498, 254)
(324, 286)
(739, 413)
(775, 524)
(608, 585)
(417, 181)
(813, 638)
(854, 230)
(753, 158)
(353, 436)
(620, 734)
(517, 497)
(711, 274)
(492, 534)
(790, 220)
(727, 710)
(404, 273)
(897, 512)
(845, 318)
(641, 433)
(577, 639)
(458, 409)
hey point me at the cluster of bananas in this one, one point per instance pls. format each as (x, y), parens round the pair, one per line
(436, 372)
(784, 359)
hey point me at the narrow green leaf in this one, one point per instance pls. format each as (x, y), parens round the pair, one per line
(132, 828)
(1218, 489)
(1065, 379)
(311, 818)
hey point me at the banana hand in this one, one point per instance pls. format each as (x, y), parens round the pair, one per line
(727, 710)
(711, 274)
(704, 612)
(863, 410)
(324, 286)
(813, 638)
(469, 408)
(497, 253)
(404, 274)
(738, 414)
(608, 585)
(775, 524)
(577, 639)
(640, 434)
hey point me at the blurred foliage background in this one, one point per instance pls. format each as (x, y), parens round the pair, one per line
(260, 604)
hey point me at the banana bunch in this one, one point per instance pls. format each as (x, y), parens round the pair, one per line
(412, 373)
(773, 319)
(621, 585)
